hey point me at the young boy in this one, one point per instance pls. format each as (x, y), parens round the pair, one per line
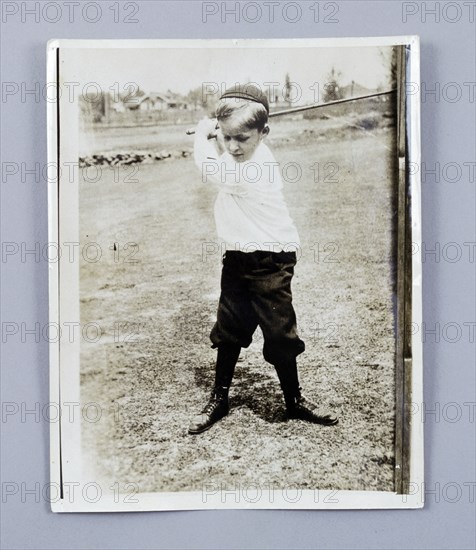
(260, 240)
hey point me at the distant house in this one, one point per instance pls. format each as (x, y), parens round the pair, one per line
(157, 102)
(175, 101)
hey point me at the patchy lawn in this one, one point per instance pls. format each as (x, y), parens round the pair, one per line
(152, 368)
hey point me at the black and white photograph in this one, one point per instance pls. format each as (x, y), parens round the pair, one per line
(239, 286)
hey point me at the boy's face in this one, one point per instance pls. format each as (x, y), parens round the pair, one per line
(240, 142)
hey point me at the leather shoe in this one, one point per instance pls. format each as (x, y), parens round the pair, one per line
(216, 408)
(303, 409)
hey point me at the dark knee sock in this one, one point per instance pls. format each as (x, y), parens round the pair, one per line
(289, 380)
(226, 360)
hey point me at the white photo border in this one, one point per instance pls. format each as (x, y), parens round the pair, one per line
(65, 468)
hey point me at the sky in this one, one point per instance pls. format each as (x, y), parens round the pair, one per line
(160, 69)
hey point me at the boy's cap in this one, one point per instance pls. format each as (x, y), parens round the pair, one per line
(249, 92)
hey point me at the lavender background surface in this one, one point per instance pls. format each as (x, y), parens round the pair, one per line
(448, 135)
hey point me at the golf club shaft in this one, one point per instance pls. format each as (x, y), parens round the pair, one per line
(191, 131)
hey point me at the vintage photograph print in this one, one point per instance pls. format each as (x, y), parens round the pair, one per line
(236, 287)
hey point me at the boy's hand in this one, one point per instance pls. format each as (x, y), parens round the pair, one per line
(207, 127)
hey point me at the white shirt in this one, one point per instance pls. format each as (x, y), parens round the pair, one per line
(250, 211)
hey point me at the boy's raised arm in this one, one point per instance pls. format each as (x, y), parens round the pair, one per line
(205, 147)
(206, 152)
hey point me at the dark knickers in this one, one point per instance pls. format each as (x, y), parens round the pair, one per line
(256, 290)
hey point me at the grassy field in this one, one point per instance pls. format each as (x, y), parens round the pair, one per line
(153, 367)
